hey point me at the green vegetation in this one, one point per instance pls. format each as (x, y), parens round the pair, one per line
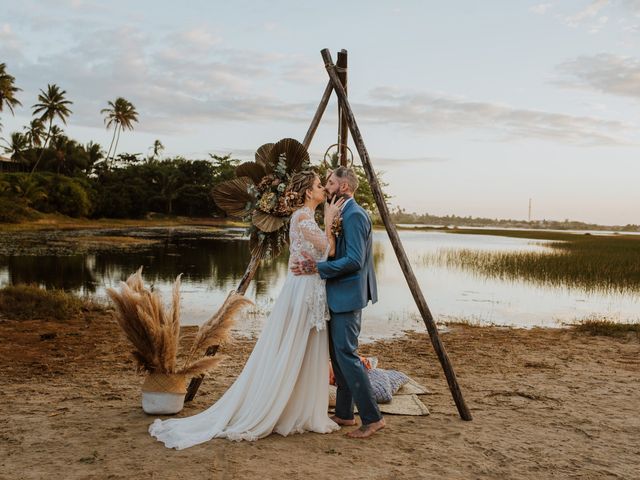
(607, 263)
(608, 328)
(49, 172)
(401, 216)
(30, 302)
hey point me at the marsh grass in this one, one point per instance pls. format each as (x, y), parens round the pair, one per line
(608, 264)
(607, 328)
(30, 302)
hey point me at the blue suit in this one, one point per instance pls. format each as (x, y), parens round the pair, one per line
(351, 283)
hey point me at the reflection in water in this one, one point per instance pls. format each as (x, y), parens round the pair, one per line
(213, 262)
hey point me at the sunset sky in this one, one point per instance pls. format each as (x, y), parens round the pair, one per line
(470, 108)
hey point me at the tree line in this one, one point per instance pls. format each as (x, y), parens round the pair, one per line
(50, 172)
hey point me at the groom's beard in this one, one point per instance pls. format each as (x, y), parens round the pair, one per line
(335, 196)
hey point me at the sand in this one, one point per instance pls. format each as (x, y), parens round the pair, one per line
(546, 404)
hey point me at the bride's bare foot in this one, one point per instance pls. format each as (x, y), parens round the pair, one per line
(365, 431)
(342, 421)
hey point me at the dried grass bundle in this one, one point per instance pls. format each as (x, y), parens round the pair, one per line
(144, 321)
(154, 332)
(201, 366)
(215, 331)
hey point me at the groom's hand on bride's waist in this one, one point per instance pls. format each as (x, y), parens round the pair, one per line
(307, 266)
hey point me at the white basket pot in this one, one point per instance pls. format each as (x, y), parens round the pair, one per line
(163, 393)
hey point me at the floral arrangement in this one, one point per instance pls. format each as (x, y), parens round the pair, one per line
(259, 194)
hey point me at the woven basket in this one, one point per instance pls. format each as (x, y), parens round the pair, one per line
(165, 383)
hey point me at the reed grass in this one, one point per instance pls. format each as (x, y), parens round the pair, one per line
(30, 302)
(608, 328)
(592, 263)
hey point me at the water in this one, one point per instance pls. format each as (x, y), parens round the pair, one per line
(213, 261)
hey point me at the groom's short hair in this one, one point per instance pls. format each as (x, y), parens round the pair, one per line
(347, 175)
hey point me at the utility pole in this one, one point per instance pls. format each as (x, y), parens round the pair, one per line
(529, 209)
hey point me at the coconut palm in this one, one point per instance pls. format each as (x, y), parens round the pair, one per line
(52, 104)
(168, 182)
(59, 144)
(8, 90)
(94, 155)
(17, 146)
(56, 132)
(121, 113)
(157, 147)
(35, 133)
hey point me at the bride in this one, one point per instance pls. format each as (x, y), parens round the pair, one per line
(284, 385)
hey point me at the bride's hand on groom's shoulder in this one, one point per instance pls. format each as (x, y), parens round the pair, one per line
(307, 266)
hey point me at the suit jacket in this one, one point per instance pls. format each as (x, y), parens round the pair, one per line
(351, 280)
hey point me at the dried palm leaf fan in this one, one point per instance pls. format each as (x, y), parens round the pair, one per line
(154, 334)
(256, 195)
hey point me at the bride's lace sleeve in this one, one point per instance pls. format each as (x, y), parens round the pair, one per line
(312, 232)
(307, 236)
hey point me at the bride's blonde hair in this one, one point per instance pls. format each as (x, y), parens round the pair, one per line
(298, 185)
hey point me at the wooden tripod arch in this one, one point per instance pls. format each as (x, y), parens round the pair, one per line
(347, 123)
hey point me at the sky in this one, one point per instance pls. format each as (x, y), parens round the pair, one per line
(469, 108)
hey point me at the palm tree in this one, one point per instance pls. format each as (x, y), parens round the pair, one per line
(94, 155)
(168, 183)
(157, 147)
(17, 146)
(28, 190)
(59, 144)
(123, 114)
(8, 90)
(35, 132)
(52, 104)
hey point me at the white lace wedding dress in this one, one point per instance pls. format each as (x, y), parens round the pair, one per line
(284, 386)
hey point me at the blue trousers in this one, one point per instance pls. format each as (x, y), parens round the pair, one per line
(351, 376)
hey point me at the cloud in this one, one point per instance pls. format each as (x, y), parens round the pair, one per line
(589, 12)
(180, 79)
(428, 112)
(606, 73)
(413, 161)
(10, 46)
(596, 14)
(187, 77)
(540, 8)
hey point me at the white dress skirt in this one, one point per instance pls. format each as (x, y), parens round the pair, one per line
(284, 386)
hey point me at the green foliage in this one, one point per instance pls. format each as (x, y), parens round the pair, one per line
(607, 328)
(400, 216)
(13, 212)
(8, 90)
(69, 196)
(588, 262)
(30, 302)
(48, 192)
(224, 168)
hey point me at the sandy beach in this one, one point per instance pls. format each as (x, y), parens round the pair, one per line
(547, 403)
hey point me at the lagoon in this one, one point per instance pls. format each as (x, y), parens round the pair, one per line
(212, 261)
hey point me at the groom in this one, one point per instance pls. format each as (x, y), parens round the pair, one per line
(351, 283)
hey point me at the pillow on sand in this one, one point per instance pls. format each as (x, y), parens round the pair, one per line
(385, 383)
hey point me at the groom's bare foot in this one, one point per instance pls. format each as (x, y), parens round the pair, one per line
(342, 421)
(365, 431)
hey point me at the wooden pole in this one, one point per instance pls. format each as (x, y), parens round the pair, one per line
(318, 116)
(249, 273)
(463, 410)
(343, 126)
